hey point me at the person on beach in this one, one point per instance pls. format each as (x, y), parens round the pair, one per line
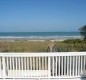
(52, 47)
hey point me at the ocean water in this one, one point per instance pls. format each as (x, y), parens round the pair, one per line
(39, 35)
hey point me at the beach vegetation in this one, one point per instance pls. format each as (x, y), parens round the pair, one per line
(70, 45)
(24, 46)
(83, 31)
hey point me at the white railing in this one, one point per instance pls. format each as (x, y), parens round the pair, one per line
(42, 65)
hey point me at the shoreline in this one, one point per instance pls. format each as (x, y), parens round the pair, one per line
(34, 40)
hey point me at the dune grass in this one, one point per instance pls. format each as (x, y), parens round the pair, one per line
(71, 45)
(42, 46)
(24, 46)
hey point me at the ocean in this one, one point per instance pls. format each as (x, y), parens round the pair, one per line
(39, 35)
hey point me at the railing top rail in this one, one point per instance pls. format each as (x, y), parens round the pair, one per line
(41, 54)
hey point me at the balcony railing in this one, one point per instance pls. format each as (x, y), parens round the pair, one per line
(43, 65)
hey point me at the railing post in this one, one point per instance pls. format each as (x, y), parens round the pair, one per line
(49, 70)
(4, 69)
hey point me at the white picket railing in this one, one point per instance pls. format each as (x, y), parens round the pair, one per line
(42, 65)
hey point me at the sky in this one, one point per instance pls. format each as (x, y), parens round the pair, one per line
(42, 15)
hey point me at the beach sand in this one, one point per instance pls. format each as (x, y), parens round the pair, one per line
(22, 39)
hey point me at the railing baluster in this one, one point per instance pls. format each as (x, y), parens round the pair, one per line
(67, 65)
(49, 70)
(30, 63)
(42, 63)
(53, 67)
(81, 64)
(76, 66)
(59, 66)
(70, 65)
(16, 66)
(62, 66)
(45, 63)
(36, 63)
(25, 65)
(39, 63)
(19, 67)
(7, 67)
(0, 66)
(73, 71)
(13, 66)
(22, 67)
(10, 68)
(56, 66)
(4, 68)
(84, 63)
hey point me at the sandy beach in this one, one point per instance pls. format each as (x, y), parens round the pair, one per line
(42, 40)
(12, 39)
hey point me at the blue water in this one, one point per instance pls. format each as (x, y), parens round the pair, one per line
(40, 35)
